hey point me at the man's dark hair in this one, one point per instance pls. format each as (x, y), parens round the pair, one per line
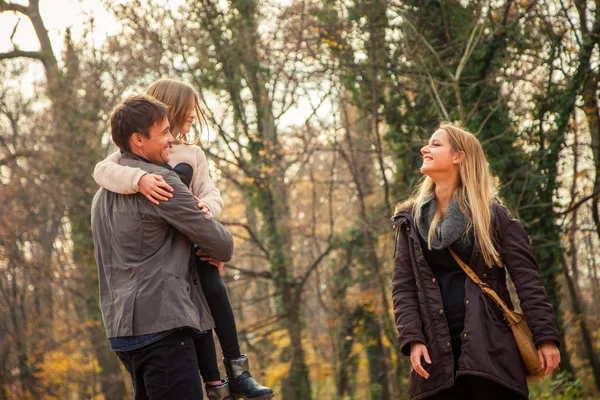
(135, 114)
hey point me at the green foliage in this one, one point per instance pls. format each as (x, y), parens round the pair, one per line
(561, 387)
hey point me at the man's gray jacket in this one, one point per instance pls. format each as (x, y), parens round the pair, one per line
(143, 252)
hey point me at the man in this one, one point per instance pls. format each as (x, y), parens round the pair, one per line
(150, 307)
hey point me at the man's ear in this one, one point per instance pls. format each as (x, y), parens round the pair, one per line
(459, 157)
(136, 140)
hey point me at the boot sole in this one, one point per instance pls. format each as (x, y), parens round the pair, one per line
(265, 397)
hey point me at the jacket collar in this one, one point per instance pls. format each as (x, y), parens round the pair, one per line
(132, 156)
(404, 216)
(403, 213)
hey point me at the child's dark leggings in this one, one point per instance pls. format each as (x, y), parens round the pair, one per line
(220, 307)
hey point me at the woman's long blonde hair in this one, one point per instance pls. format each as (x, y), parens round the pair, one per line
(181, 98)
(474, 195)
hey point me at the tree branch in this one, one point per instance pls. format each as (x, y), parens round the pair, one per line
(581, 202)
(4, 6)
(38, 55)
(16, 155)
(14, 32)
(314, 266)
(254, 274)
(251, 233)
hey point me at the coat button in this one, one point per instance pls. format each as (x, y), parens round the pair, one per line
(447, 344)
(467, 302)
(441, 311)
(433, 280)
(465, 335)
(408, 228)
(485, 275)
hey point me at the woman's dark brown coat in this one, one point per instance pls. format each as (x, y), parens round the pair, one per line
(488, 346)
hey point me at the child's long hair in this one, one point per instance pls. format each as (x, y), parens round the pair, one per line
(474, 195)
(181, 98)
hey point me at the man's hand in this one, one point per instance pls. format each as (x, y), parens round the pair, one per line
(204, 207)
(154, 188)
(549, 356)
(418, 350)
(205, 257)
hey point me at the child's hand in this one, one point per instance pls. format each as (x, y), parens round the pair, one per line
(204, 207)
(205, 257)
(154, 188)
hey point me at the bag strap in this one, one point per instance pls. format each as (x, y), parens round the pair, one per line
(482, 285)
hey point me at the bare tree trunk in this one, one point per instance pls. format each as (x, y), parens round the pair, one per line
(376, 358)
(344, 321)
(572, 282)
(4, 379)
(297, 385)
(578, 315)
(43, 273)
(378, 56)
(17, 313)
(275, 212)
(590, 107)
(348, 363)
(591, 111)
(360, 168)
(592, 266)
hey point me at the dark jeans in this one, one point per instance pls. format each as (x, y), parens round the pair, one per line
(220, 308)
(165, 369)
(476, 388)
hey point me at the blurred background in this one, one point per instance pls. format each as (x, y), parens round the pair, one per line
(317, 111)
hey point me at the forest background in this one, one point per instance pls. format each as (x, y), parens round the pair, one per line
(317, 112)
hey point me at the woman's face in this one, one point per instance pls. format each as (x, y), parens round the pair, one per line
(438, 155)
(187, 125)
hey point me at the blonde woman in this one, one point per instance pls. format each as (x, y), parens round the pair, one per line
(459, 345)
(189, 161)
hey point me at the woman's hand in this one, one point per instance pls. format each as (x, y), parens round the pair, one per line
(205, 257)
(154, 188)
(204, 208)
(549, 356)
(418, 350)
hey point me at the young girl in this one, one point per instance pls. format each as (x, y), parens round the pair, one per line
(459, 345)
(190, 163)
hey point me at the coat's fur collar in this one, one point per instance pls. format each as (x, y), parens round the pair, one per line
(402, 210)
(404, 206)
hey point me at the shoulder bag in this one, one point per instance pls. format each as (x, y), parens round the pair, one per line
(516, 322)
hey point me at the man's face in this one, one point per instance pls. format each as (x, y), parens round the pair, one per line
(157, 147)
